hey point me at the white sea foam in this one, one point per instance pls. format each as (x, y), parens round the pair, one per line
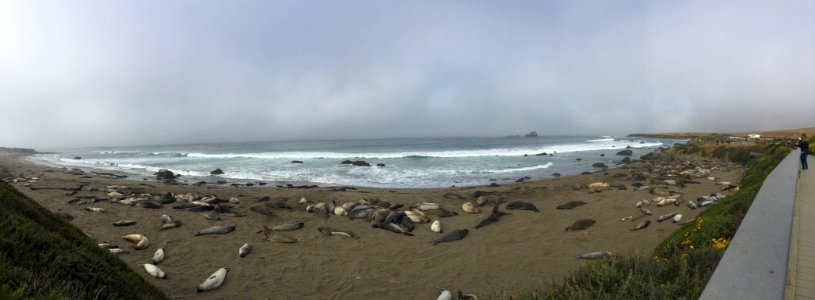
(569, 148)
(520, 169)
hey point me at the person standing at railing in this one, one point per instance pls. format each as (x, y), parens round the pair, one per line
(804, 145)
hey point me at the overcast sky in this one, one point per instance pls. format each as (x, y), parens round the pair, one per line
(107, 73)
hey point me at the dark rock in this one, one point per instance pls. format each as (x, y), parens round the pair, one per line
(626, 160)
(556, 174)
(494, 184)
(579, 159)
(621, 187)
(358, 163)
(628, 147)
(200, 183)
(626, 152)
(297, 161)
(380, 165)
(216, 172)
(165, 175)
(600, 165)
(585, 173)
(541, 154)
(78, 157)
(261, 183)
(221, 182)
(250, 184)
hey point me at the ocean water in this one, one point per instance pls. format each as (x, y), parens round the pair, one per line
(409, 162)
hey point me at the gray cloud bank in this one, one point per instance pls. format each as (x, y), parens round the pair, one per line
(97, 73)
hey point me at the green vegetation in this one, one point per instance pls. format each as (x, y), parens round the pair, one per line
(44, 257)
(683, 263)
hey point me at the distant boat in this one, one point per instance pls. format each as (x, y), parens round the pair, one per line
(532, 134)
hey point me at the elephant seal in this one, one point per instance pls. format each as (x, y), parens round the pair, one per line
(158, 256)
(642, 225)
(568, 205)
(451, 236)
(287, 227)
(244, 250)
(124, 223)
(462, 296)
(217, 229)
(492, 218)
(436, 226)
(581, 224)
(595, 255)
(395, 228)
(148, 204)
(141, 241)
(154, 270)
(395, 216)
(117, 250)
(522, 205)
(214, 281)
(165, 219)
(470, 208)
(645, 211)
(665, 217)
(677, 218)
(331, 231)
(445, 295)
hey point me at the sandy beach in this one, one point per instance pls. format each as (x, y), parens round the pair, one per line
(523, 250)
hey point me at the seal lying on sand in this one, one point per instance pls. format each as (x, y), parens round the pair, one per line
(570, 205)
(287, 227)
(158, 256)
(331, 231)
(154, 270)
(214, 281)
(492, 218)
(581, 224)
(451, 236)
(445, 295)
(595, 255)
(244, 250)
(642, 225)
(522, 205)
(217, 229)
(124, 223)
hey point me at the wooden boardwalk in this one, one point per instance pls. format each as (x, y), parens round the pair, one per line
(801, 269)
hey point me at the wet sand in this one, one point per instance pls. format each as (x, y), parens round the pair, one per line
(523, 250)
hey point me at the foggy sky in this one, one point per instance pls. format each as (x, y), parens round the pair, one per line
(107, 73)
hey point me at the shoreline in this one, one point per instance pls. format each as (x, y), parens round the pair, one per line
(380, 264)
(612, 161)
